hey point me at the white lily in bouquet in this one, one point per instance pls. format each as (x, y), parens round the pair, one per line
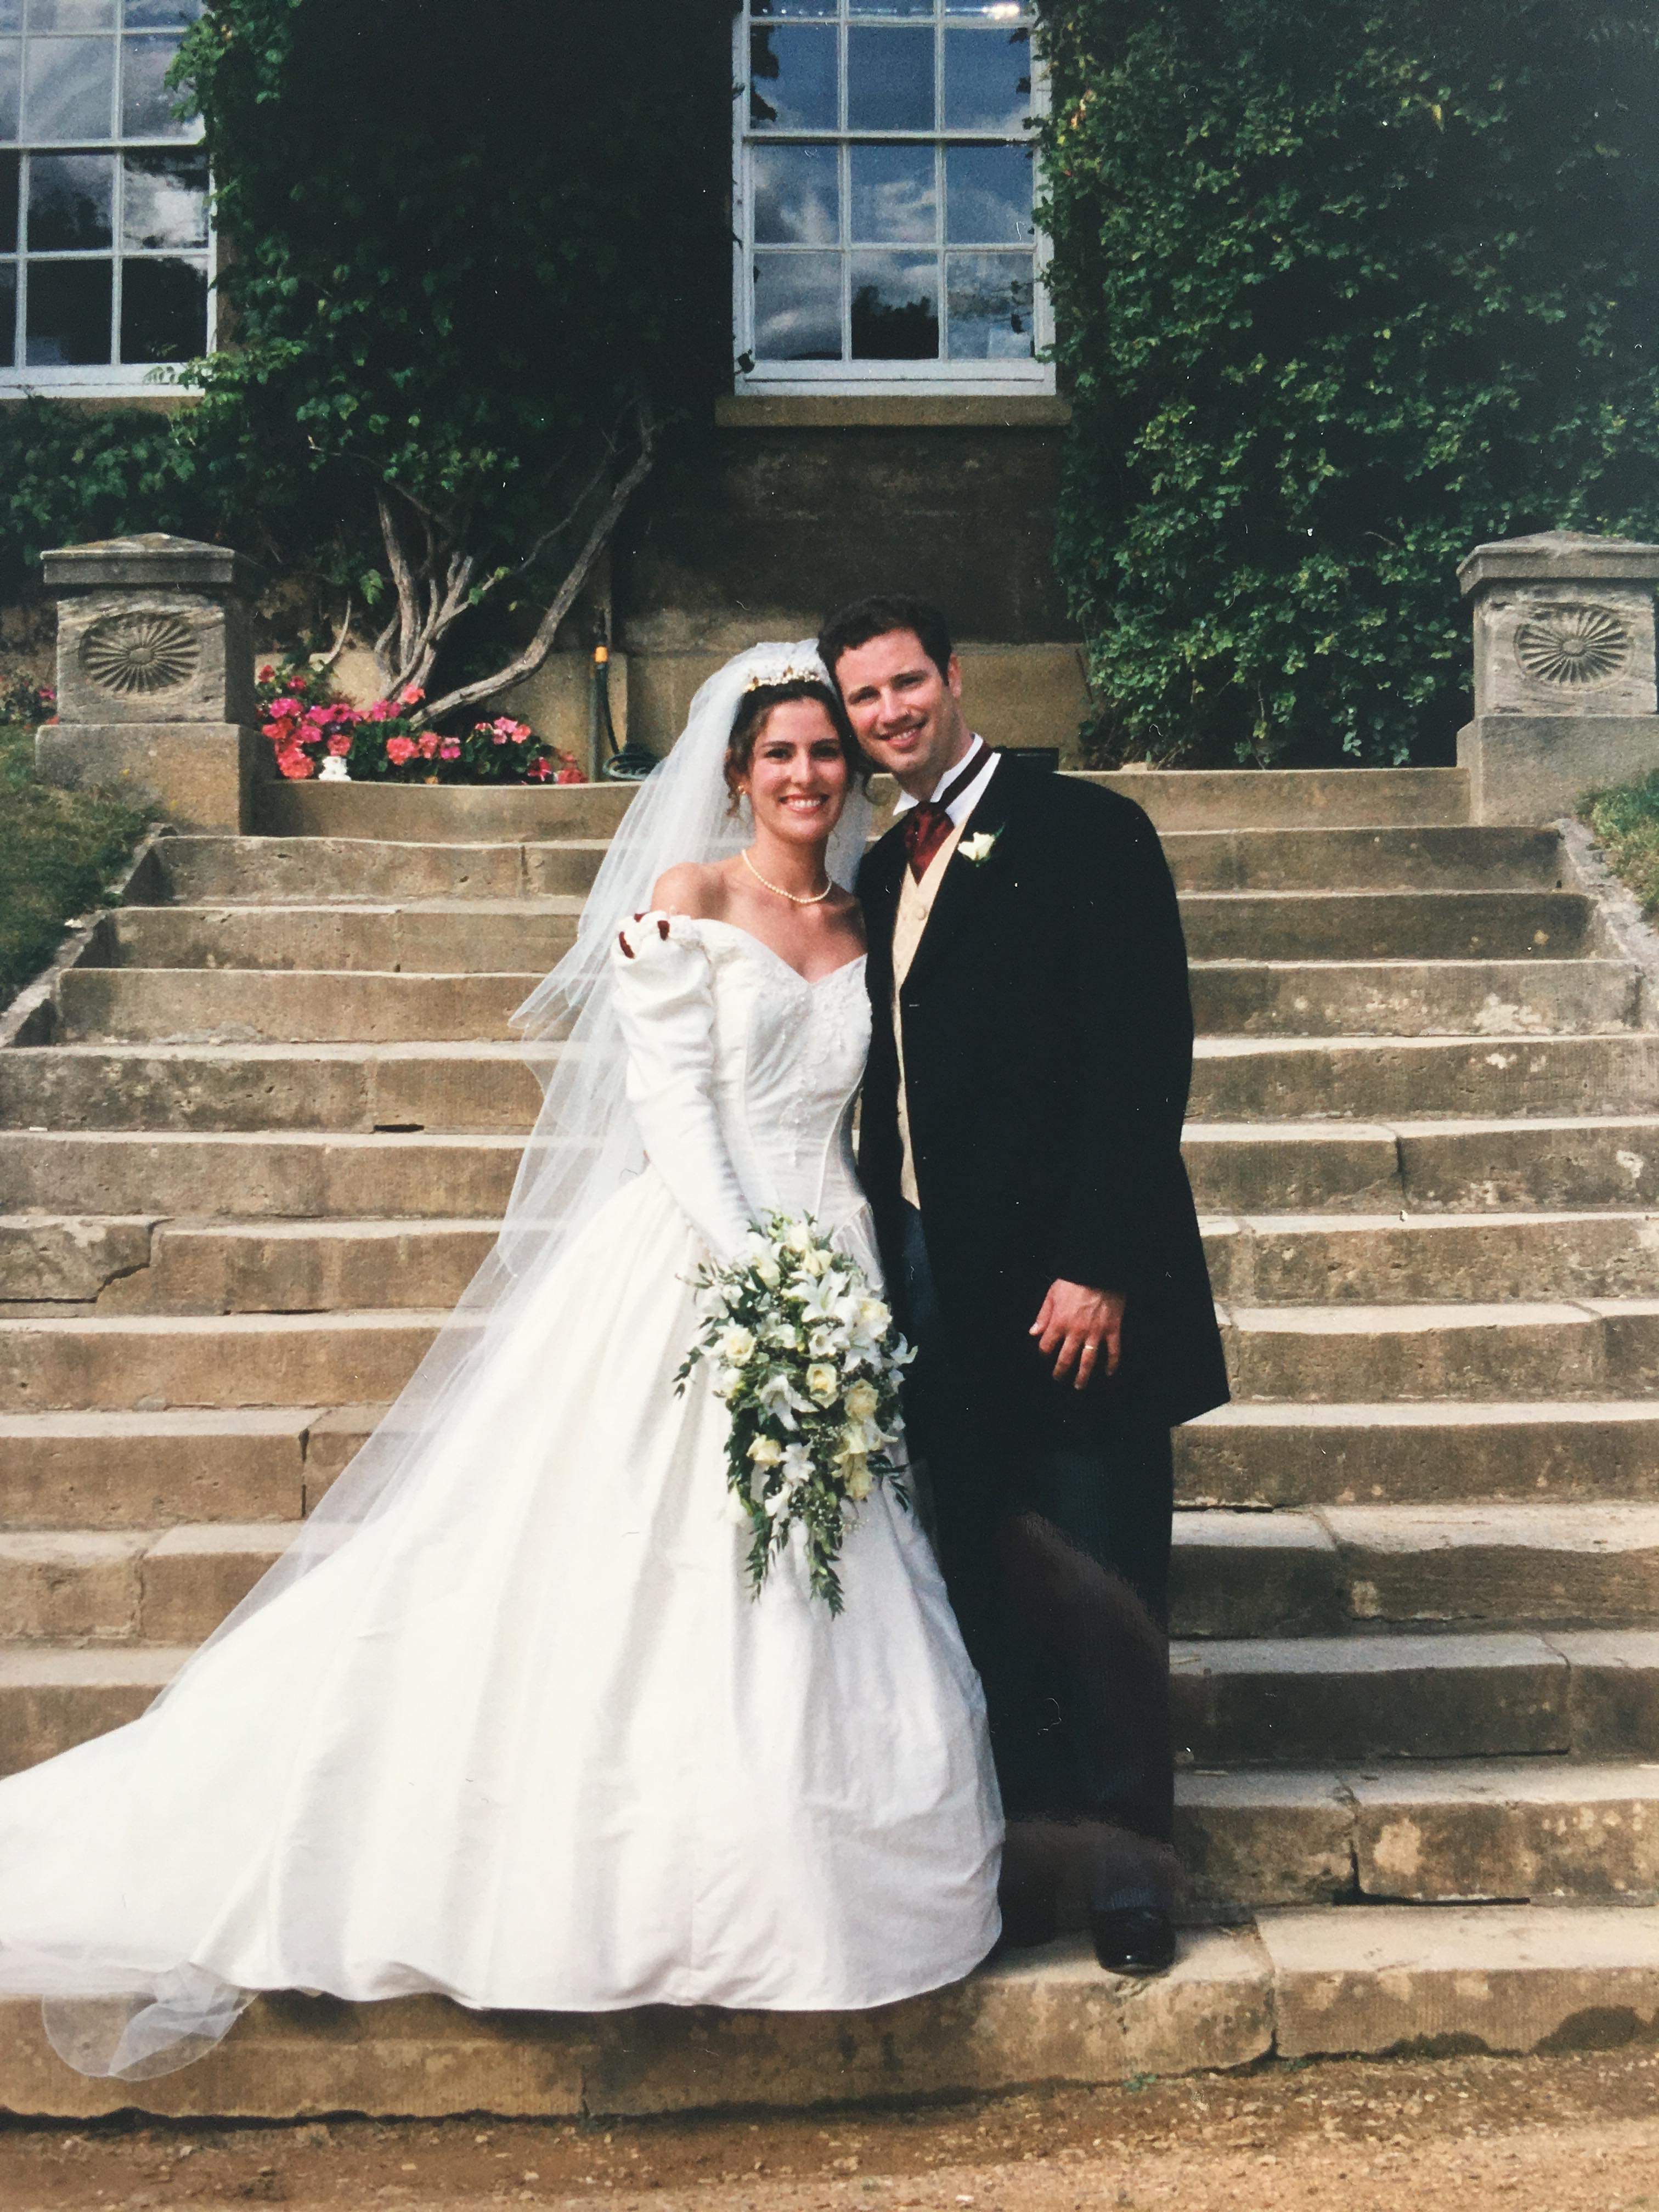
(808, 1362)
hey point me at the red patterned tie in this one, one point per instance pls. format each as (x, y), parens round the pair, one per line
(927, 827)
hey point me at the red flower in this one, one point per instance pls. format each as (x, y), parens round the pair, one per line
(411, 696)
(538, 770)
(294, 764)
(400, 749)
(572, 775)
(267, 675)
(427, 743)
(340, 745)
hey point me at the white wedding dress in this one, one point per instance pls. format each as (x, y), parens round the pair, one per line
(525, 1737)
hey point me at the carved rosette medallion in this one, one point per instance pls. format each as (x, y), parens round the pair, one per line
(1576, 647)
(140, 654)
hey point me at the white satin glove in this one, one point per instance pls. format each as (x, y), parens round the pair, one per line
(666, 1004)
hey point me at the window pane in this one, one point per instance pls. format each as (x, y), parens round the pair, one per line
(792, 78)
(797, 306)
(163, 310)
(758, 8)
(890, 7)
(797, 196)
(7, 202)
(166, 200)
(11, 14)
(71, 199)
(890, 80)
(990, 298)
(895, 306)
(987, 79)
(69, 310)
(987, 195)
(147, 105)
(160, 14)
(987, 11)
(8, 317)
(9, 66)
(66, 87)
(895, 198)
(71, 14)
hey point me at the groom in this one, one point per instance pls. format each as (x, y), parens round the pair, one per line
(1020, 1145)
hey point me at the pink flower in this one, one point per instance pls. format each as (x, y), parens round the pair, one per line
(572, 775)
(294, 764)
(285, 706)
(538, 770)
(340, 745)
(382, 711)
(450, 749)
(400, 749)
(427, 743)
(277, 732)
(411, 696)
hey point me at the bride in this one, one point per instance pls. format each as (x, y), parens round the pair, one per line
(505, 1722)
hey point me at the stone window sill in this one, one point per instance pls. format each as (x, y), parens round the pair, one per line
(746, 410)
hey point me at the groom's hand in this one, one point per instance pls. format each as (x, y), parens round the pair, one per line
(1076, 1326)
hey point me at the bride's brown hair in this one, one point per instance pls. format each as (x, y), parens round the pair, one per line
(754, 711)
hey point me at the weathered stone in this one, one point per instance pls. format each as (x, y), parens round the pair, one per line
(304, 1268)
(98, 1006)
(1379, 1352)
(1265, 1839)
(450, 937)
(52, 1696)
(200, 775)
(1452, 858)
(1413, 998)
(1613, 1691)
(1498, 1564)
(1316, 1700)
(1515, 1978)
(1312, 1259)
(1507, 1829)
(92, 1470)
(1340, 924)
(190, 1578)
(1241, 1574)
(68, 1257)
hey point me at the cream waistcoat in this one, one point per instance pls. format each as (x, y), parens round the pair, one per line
(915, 904)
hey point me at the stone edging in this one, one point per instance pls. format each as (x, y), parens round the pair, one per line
(1627, 935)
(28, 1019)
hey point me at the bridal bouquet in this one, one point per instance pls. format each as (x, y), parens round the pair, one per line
(808, 1361)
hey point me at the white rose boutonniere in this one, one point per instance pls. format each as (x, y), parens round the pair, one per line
(979, 847)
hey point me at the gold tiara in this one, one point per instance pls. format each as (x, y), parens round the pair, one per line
(788, 672)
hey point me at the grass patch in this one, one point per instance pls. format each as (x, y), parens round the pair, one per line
(1626, 823)
(59, 849)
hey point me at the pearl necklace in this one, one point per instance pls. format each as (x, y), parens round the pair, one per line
(816, 899)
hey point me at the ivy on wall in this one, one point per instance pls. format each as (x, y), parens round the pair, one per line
(1343, 289)
(466, 246)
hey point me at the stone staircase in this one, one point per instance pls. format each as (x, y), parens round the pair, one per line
(1417, 1562)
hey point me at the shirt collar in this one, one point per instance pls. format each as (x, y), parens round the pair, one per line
(970, 793)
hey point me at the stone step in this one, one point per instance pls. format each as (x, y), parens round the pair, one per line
(466, 936)
(134, 1264)
(1546, 1829)
(1365, 1981)
(223, 1006)
(1472, 1164)
(1417, 925)
(310, 871)
(1178, 799)
(431, 937)
(1426, 1453)
(1345, 1002)
(134, 1362)
(161, 1469)
(1408, 998)
(1589, 1348)
(1425, 1168)
(260, 1174)
(1311, 1700)
(1287, 1078)
(1319, 1573)
(479, 1086)
(1235, 1575)
(1430, 1259)
(307, 871)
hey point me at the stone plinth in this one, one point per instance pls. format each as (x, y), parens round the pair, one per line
(1564, 685)
(155, 676)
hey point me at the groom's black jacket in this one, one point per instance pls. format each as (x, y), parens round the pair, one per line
(1048, 1049)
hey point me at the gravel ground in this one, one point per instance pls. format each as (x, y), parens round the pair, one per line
(1570, 2133)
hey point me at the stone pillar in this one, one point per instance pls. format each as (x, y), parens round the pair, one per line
(155, 677)
(1564, 696)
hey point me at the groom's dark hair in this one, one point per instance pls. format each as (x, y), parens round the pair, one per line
(855, 625)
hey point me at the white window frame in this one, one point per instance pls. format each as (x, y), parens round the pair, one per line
(102, 380)
(870, 379)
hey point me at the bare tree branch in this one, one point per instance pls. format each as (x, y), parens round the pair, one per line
(564, 599)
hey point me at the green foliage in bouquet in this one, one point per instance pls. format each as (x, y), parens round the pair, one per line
(1343, 289)
(808, 1362)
